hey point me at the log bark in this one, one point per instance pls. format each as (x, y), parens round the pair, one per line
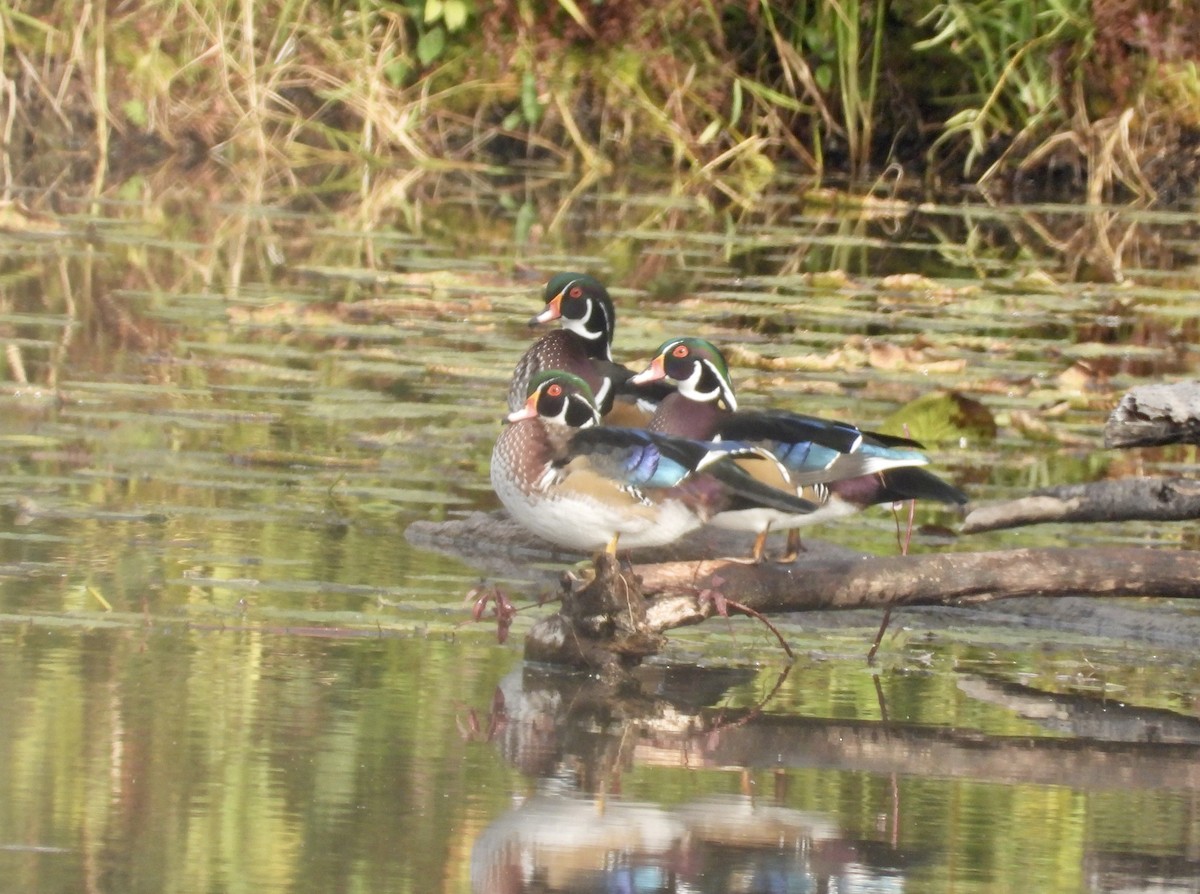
(1125, 499)
(938, 579)
(614, 621)
(652, 599)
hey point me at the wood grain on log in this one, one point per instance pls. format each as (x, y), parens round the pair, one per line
(939, 579)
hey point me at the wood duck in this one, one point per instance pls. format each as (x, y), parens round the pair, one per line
(583, 346)
(835, 464)
(585, 486)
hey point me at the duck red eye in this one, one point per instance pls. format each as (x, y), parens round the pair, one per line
(554, 390)
(680, 351)
(575, 292)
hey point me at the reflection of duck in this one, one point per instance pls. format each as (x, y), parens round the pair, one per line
(562, 728)
(555, 841)
(558, 842)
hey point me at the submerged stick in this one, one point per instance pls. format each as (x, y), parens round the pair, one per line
(1125, 499)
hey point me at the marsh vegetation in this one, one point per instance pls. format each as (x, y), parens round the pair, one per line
(1088, 99)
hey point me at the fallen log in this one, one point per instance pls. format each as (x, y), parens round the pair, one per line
(1150, 415)
(933, 579)
(645, 601)
(1124, 499)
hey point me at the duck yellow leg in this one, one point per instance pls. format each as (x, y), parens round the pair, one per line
(611, 549)
(793, 548)
(760, 545)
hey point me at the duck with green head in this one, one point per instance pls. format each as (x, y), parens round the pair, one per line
(582, 345)
(834, 464)
(585, 486)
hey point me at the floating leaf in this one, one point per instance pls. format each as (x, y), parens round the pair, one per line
(943, 416)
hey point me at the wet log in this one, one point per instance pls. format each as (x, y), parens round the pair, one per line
(1150, 415)
(685, 589)
(1126, 499)
(645, 601)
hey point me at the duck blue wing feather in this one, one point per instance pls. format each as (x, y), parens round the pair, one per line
(636, 458)
(797, 428)
(642, 459)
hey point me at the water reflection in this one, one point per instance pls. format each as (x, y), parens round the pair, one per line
(584, 830)
(227, 669)
(558, 841)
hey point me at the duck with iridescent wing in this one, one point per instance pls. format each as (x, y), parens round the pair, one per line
(586, 486)
(582, 345)
(835, 464)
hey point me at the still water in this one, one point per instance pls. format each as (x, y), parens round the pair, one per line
(228, 669)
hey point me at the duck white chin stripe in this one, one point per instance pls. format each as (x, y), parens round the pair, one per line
(579, 327)
(687, 387)
(722, 390)
(602, 391)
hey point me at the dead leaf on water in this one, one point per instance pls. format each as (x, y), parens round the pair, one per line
(1037, 281)
(287, 459)
(798, 384)
(737, 355)
(1031, 426)
(909, 284)
(889, 356)
(1080, 377)
(283, 312)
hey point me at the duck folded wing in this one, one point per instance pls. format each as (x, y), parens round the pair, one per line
(715, 473)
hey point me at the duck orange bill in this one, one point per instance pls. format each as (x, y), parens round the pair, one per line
(652, 373)
(552, 311)
(529, 411)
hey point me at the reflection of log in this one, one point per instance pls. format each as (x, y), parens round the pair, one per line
(1126, 499)
(554, 720)
(1156, 414)
(1084, 716)
(864, 746)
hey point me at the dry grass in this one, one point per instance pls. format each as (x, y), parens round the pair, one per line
(291, 93)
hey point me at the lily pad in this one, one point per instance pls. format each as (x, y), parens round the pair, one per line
(943, 416)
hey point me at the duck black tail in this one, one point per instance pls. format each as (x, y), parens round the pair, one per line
(915, 483)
